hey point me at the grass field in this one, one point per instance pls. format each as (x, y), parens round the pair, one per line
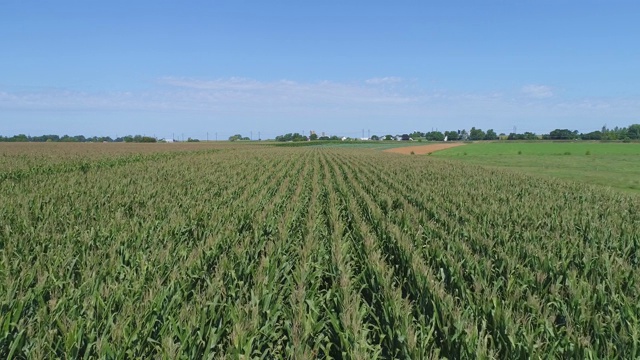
(607, 164)
(251, 251)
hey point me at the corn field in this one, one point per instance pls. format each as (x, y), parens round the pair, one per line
(300, 253)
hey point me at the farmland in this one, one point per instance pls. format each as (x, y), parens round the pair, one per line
(615, 165)
(242, 251)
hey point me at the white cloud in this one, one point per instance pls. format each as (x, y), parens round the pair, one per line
(283, 91)
(537, 91)
(285, 104)
(384, 80)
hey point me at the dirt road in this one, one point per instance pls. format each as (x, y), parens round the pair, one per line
(423, 149)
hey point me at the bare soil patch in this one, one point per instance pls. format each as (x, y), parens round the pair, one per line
(422, 149)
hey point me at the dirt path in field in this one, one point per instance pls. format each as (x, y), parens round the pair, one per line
(423, 149)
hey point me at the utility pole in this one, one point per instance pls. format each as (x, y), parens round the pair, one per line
(251, 135)
(259, 138)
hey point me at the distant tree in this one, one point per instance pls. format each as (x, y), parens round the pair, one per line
(313, 136)
(563, 134)
(388, 137)
(594, 135)
(416, 135)
(192, 140)
(491, 135)
(476, 134)
(148, 139)
(526, 136)
(235, 137)
(452, 135)
(67, 138)
(633, 131)
(45, 138)
(435, 136)
(291, 137)
(375, 137)
(19, 138)
(619, 133)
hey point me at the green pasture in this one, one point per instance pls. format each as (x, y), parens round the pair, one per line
(615, 165)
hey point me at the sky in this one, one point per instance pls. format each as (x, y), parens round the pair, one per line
(212, 69)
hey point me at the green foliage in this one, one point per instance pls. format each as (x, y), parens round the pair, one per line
(563, 134)
(237, 137)
(476, 134)
(594, 135)
(618, 133)
(452, 135)
(633, 132)
(291, 137)
(491, 135)
(526, 136)
(138, 139)
(435, 136)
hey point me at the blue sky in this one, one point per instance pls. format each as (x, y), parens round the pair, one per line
(192, 67)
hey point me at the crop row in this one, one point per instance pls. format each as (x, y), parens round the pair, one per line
(312, 253)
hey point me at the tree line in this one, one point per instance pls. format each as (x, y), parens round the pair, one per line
(632, 132)
(77, 138)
